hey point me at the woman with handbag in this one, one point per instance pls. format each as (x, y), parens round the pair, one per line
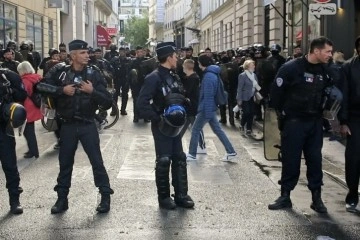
(247, 93)
(33, 113)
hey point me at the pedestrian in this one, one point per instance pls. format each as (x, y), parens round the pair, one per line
(206, 112)
(12, 91)
(163, 88)
(349, 118)
(297, 95)
(247, 87)
(81, 89)
(192, 88)
(29, 79)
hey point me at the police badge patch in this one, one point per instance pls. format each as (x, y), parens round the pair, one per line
(279, 82)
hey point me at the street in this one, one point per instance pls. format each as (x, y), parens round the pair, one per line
(231, 199)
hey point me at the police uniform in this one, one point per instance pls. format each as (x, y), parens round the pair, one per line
(160, 86)
(10, 64)
(121, 69)
(77, 114)
(297, 96)
(136, 85)
(14, 92)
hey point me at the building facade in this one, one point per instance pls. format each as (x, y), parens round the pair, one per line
(156, 21)
(28, 20)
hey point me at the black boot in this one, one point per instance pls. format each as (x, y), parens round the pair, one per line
(113, 112)
(15, 207)
(180, 182)
(61, 204)
(104, 205)
(283, 201)
(317, 203)
(162, 183)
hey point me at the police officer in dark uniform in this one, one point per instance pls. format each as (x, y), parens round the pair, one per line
(11, 90)
(112, 53)
(297, 95)
(104, 66)
(12, 45)
(9, 61)
(80, 90)
(136, 84)
(167, 116)
(121, 70)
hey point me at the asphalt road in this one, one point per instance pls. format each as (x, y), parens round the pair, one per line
(230, 198)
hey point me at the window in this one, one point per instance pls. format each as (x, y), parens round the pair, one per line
(8, 24)
(51, 34)
(34, 30)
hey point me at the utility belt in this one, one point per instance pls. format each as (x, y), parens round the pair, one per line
(77, 119)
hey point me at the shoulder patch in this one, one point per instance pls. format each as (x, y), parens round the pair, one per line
(279, 82)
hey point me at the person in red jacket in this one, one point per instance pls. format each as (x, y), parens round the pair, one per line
(30, 78)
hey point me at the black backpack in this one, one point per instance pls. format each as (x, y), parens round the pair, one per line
(36, 96)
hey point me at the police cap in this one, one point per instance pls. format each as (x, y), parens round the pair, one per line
(77, 45)
(165, 48)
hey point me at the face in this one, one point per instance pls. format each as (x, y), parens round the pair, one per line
(189, 54)
(98, 55)
(8, 56)
(63, 55)
(80, 57)
(122, 53)
(140, 53)
(251, 67)
(323, 55)
(173, 60)
(297, 50)
(208, 53)
(56, 57)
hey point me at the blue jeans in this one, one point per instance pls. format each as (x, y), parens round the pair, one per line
(199, 124)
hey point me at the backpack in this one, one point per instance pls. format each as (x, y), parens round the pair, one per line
(221, 97)
(36, 96)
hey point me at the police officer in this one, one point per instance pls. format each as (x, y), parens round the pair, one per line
(137, 83)
(11, 90)
(12, 45)
(112, 53)
(9, 61)
(165, 90)
(105, 66)
(297, 95)
(80, 89)
(121, 69)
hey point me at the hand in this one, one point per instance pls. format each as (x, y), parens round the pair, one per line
(345, 130)
(69, 90)
(86, 86)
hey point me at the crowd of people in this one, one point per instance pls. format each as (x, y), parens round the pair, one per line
(176, 91)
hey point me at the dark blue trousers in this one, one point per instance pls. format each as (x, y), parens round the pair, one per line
(299, 136)
(87, 133)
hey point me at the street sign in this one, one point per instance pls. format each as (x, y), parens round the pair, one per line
(322, 8)
(268, 2)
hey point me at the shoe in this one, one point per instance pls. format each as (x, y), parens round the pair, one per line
(229, 157)
(249, 132)
(167, 203)
(104, 205)
(201, 150)
(232, 122)
(242, 129)
(222, 121)
(60, 206)
(317, 204)
(351, 207)
(283, 201)
(30, 155)
(113, 113)
(123, 112)
(185, 202)
(190, 157)
(15, 207)
(147, 120)
(135, 120)
(57, 146)
(102, 125)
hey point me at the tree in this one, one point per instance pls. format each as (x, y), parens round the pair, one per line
(137, 30)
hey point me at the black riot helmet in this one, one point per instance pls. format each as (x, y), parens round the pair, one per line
(14, 114)
(173, 121)
(275, 49)
(113, 47)
(51, 50)
(24, 46)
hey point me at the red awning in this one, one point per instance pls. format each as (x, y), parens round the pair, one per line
(103, 37)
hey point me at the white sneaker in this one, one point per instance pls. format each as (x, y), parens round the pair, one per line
(230, 157)
(190, 157)
(201, 150)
